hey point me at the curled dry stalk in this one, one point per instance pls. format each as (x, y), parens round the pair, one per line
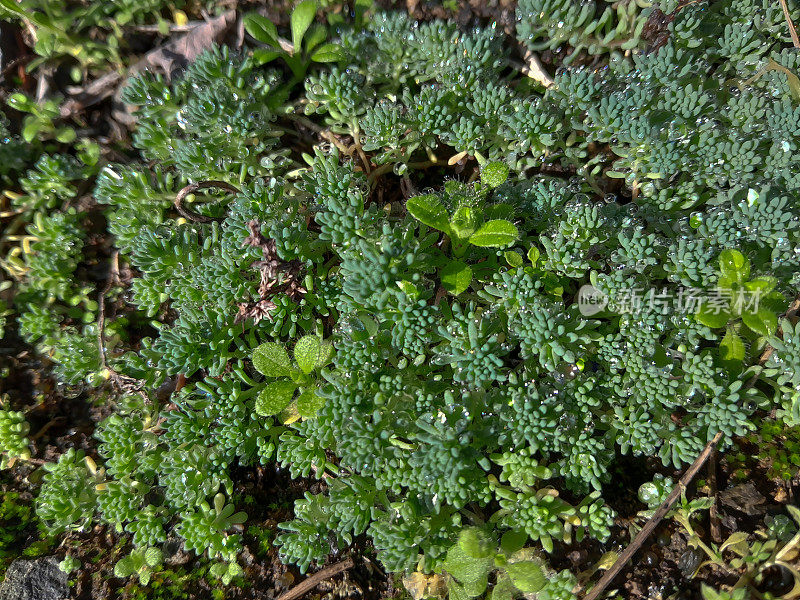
(123, 382)
(191, 215)
(360, 150)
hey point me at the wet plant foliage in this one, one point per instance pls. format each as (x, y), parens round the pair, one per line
(399, 265)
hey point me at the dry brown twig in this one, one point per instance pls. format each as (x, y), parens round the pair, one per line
(330, 137)
(113, 277)
(667, 505)
(311, 582)
(122, 381)
(360, 150)
(792, 30)
(650, 526)
(715, 524)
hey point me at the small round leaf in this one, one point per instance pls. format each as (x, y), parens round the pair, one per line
(429, 210)
(309, 403)
(307, 352)
(262, 29)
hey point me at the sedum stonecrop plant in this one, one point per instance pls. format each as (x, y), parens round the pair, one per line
(445, 370)
(14, 430)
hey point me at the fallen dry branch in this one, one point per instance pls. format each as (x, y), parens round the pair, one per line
(311, 582)
(715, 523)
(667, 505)
(97, 91)
(650, 526)
(792, 30)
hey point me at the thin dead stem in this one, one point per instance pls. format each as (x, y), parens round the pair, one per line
(792, 30)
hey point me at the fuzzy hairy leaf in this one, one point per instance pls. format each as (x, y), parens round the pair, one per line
(275, 397)
(272, 360)
(429, 210)
(495, 234)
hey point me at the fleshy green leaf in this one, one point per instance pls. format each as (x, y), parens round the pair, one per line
(14, 8)
(409, 289)
(123, 568)
(465, 569)
(495, 234)
(475, 543)
(301, 19)
(369, 323)
(503, 589)
(19, 102)
(30, 129)
(761, 285)
(308, 352)
(737, 537)
(316, 34)
(732, 351)
(513, 541)
(153, 556)
(456, 277)
(514, 259)
(456, 591)
(533, 255)
(262, 29)
(325, 354)
(272, 360)
(289, 414)
(264, 55)
(275, 397)
(66, 135)
(709, 593)
(464, 222)
(429, 210)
